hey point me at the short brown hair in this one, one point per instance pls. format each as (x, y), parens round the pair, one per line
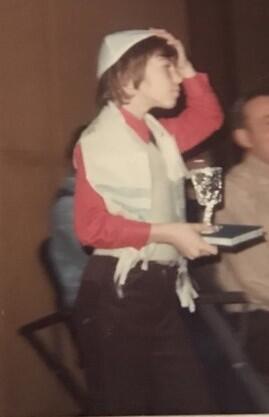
(237, 113)
(131, 65)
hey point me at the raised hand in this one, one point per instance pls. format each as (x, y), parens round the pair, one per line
(183, 64)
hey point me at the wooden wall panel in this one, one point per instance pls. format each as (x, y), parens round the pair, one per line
(229, 39)
(212, 43)
(25, 76)
(250, 23)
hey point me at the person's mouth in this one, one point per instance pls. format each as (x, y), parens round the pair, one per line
(176, 92)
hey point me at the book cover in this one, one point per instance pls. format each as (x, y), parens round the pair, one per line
(233, 234)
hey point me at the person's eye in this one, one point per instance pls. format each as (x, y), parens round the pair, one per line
(167, 65)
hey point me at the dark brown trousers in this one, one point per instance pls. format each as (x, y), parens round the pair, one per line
(137, 355)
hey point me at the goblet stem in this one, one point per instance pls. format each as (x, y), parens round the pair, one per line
(208, 213)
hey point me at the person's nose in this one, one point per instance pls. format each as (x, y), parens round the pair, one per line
(176, 76)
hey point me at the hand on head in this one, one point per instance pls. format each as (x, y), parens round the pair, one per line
(184, 65)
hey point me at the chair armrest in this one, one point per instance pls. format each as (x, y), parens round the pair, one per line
(222, 297)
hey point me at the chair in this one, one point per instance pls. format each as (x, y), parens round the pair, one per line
(251, 394)
(231, 341)
(220, 299)
(30, 332)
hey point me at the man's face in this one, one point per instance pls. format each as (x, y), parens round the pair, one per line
(257, 127)
(160, 85)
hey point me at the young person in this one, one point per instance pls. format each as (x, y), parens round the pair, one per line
(129, 205)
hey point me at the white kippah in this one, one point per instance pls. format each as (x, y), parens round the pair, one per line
(115, 45)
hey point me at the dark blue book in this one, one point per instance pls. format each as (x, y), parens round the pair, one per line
(233, 234)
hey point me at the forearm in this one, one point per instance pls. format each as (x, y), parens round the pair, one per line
(106, 231)
(202, 117)
(95, 226)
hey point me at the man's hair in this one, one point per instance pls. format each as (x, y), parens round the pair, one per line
(131, 66)
(237, 113)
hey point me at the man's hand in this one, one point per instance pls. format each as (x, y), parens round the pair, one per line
(184, 65)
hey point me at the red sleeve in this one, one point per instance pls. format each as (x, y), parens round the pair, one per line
(202, 117)
(94, 225)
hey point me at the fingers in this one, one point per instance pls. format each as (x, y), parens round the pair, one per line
(160, 32)
(199, 246)
(202, 227)
(185, 237)
(167, 36)
(183, 64)
(207, 250)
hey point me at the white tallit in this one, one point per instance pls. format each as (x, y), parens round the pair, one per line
(117, 167)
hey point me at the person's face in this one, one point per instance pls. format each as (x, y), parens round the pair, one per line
(160, 85)
(257, 127)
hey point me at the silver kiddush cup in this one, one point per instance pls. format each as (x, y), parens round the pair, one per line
(207, 183)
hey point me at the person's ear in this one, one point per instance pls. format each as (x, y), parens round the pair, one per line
(129, 88)
(242, 138)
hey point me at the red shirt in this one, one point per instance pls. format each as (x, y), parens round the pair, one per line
(94, 225)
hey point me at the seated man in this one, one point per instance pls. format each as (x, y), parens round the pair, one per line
(67, 256)
(247, 202)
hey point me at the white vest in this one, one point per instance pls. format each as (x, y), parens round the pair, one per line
(117, 167)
